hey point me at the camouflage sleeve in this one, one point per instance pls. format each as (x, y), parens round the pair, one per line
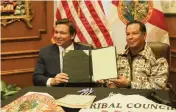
(158, 77)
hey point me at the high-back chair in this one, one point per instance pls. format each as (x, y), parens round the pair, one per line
(163, 50)
(160, 50)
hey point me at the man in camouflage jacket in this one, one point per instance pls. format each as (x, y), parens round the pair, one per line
(137, 66)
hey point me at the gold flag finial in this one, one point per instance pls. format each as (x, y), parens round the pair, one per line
(79, 8)
(135, 9)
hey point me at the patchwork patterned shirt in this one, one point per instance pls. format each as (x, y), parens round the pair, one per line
(143, 69)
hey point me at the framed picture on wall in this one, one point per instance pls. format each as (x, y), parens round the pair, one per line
(15, 10)
(169, 7)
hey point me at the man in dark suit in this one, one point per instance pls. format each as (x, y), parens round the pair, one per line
(48, 71)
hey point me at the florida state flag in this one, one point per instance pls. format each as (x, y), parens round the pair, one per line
(119, 13)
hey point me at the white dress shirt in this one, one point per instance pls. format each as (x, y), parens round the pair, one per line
(61, 50)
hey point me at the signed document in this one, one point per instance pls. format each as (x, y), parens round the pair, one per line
(104, 63)
(76, 101)
(98, 64)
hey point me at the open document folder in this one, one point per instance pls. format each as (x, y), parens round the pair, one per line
(85, 65)
(76, 101)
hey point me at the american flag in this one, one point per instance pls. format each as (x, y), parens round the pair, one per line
(89, 17)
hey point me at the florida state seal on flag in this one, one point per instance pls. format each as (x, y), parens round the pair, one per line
(119, 13)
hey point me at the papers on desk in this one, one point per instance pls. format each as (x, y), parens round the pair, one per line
(76, 101)
(127, 103)
(33, 102)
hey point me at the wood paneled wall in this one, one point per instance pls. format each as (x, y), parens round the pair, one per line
(20, 44)
(171, 22)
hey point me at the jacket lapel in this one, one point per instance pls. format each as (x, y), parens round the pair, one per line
(56, 56)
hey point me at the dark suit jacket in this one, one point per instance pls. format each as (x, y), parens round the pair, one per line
(48, 63)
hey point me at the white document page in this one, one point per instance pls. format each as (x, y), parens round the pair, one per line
(104, 63)
(76, 101)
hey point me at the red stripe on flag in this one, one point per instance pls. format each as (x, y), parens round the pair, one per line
(101, 5)
(88, 27)
(58, 15)
(115, 2)
(99, 23)
(69, 15)
(158, 20)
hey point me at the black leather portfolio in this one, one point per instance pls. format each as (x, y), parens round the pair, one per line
(76, 65)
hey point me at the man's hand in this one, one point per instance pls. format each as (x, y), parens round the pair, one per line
(59, 78)
(108, 83)
(100, 81)
(121, 81)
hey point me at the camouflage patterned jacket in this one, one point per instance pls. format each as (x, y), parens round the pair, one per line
(143, 70)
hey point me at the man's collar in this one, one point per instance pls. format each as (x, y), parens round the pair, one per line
(71, 47)
(145, 52)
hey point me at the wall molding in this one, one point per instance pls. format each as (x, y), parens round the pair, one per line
(19, 57)
(173, 53)
(17, 72)
(172, 36)
(170, 15)
(173, 69)
(14, 39)
(19, 54)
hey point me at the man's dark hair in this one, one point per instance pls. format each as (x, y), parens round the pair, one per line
(66, 21)
(142, 26)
